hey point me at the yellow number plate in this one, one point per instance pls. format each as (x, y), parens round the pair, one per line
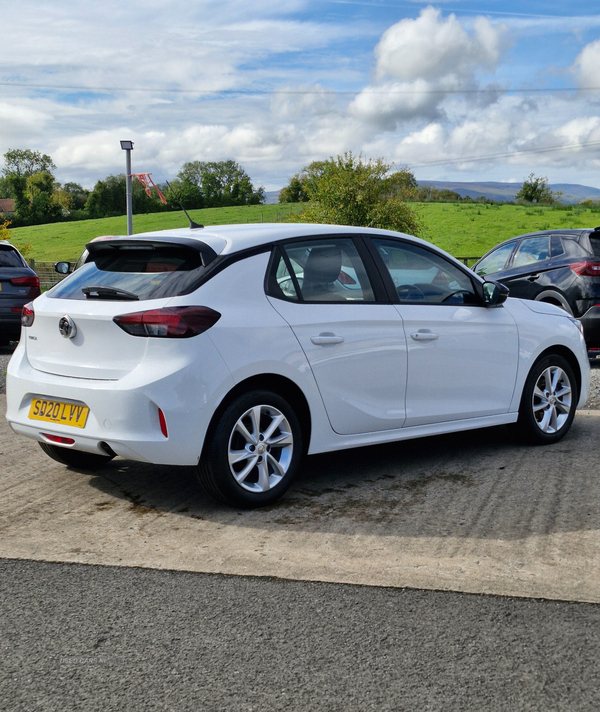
(53, 411)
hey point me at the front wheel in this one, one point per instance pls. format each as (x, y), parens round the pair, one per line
(254, 451)
(75, 458)
(548, 402)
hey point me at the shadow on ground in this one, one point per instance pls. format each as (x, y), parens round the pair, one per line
(477, 484)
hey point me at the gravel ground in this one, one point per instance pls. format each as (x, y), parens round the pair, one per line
(592, 403)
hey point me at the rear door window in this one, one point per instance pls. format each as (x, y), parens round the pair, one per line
(324, 270)
(531, 251)
(142, 272)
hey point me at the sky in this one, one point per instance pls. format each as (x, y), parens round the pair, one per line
(458, 90)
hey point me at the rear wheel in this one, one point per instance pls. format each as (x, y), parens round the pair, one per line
(75, 458)
(254, 451)
(548, 402)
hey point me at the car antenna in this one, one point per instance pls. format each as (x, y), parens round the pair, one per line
(193, 225)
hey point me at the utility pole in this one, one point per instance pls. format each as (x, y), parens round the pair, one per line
(127, 146)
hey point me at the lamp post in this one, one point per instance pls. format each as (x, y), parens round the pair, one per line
(128, 147)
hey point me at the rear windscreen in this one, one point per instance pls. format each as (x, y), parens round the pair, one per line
(146, 273)
(595, 243)
(10, 257)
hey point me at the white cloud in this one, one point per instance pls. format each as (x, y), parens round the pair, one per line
(433, 58)
(431, 48)
(587, 65)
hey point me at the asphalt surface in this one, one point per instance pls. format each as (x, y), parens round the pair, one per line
(90, 638)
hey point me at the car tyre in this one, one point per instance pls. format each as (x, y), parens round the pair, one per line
(548, 402)
(75, 458)
(253, 453)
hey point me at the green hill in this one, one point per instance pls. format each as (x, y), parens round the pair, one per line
(463, 229)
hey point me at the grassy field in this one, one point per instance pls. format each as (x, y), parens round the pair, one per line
(464, 230)
(470, 230)
(65, 241)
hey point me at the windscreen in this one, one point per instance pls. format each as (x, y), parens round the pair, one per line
(142, 272)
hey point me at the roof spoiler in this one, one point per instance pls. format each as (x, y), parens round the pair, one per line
(155, 242)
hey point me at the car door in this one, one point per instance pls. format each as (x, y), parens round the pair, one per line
(462, 356)
(353, 340)
(527, 272)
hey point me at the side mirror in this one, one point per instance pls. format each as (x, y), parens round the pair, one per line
(494, 294)
(62, 267)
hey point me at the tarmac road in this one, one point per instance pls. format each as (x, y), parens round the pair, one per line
(93, 638)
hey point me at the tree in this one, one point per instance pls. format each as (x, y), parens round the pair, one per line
(219, 184)
(535, 189)
(29, 180)
(297, 191)
(108, 199)
(184, 193)
(25, 162)
(4, 231)
(5, 188)
(348, 190)
(294, 192)
(72, 196)
(43, 207)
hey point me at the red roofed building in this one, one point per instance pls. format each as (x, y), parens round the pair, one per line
(7, 206)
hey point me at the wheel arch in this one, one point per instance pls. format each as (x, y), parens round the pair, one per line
(569, 356)
(276, 383)
(553, 296)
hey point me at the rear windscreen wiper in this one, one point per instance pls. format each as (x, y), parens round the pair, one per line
(109, 293)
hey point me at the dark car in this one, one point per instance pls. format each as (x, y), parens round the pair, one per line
(19, 284)
(561, 267)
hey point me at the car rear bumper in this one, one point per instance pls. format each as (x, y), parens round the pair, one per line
(124, 413)
(591, 328)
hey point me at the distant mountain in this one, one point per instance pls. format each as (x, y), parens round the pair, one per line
(572, 192)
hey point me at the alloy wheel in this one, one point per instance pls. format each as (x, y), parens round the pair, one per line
(552, 399)
(260, 448)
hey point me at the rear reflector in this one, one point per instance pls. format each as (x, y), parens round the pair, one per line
(169, 323)
(27, 315)
(163, 423)
(58, 439)
(586, 269)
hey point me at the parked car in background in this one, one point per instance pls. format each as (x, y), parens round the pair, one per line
(559, 267)
(239, 348)
(19, 284)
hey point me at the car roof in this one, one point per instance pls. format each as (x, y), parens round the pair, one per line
(228, 239)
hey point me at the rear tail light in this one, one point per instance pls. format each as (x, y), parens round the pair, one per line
(27, 315)
(169, 323)
(31, 281)
(586, 269)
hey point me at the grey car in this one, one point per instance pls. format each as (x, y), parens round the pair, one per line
(19, 284)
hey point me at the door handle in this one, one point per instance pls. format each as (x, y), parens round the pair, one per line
(533, 277)
(424, 335)
(326, 339)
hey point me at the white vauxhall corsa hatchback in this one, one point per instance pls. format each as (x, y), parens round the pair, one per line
(240, 348)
